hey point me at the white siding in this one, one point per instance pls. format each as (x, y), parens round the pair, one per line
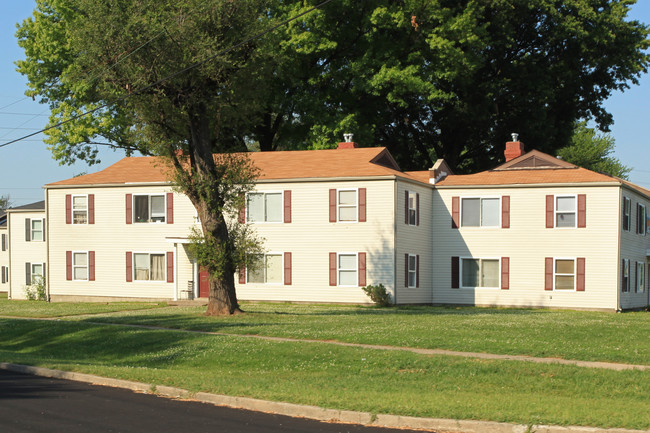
(22, 252)
(634, 247)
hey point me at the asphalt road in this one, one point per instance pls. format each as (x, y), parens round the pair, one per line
(44, 405)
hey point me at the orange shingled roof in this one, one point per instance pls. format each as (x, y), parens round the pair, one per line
(273, 165)
(527, 177)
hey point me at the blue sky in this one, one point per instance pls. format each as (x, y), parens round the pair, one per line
(27, 165)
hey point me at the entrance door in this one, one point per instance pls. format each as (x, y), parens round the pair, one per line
(204, 286)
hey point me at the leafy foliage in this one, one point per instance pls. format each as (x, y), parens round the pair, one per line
(378, 295)
(37, 290)
(5, 202)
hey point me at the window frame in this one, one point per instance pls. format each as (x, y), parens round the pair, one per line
(339, 206)
(265, 193)
(31, 229)
(339, 269)
(574, 274)
(149, 210)
(627, 210)
(32, 273)
(641, 224)
(413, 271)
(87, 266)
(265, 282)
(625, 278)
(461, 282)
(556, 212)
(149, 253)
(413, 211)
(73, 210)
(639, 285)
(480, 208)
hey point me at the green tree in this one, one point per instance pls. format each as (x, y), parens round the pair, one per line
(449, 78)
(5, 202)
(593, 150)
(121, 59)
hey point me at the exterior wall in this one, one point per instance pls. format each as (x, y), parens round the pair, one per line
(527, 243)
(4, 257)
(22, 251)
(110, 237)
(310, 238)
(634, 247)
(414, 240)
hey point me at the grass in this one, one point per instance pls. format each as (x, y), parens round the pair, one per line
(337, 377)
(18, 308)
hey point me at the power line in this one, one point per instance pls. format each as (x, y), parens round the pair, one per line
(175, 74)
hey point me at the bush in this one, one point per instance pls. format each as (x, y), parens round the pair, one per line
(36, 292)
(378, 295)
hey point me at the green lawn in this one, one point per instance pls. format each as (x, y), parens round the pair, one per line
(337, 377)
(17, 308)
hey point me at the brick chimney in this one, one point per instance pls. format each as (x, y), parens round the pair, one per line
(514, 148)
(348, 143)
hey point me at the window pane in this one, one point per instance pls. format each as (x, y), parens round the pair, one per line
(563, 282)
(158, 208)
(274, 207)
(564, 204)
(470, 273)
(348, 278)
(255, 207)
(412, 277)
(256, 269)
(79, 259)
(37, 271)
(347, 214)
(490, 273)
(274, 269)
(566, 220)
(564, 266)
(79, 202)
(347, 261)
(37, 225)
(141, 208)
(158, 267)
(490, 212)
(470, 212)
(412, 263)
(81, 273)
(141, 264)
(348, 198)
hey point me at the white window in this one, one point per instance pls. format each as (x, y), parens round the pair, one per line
(413, 208)
(565, 211)
(264, 207)
(36, 229)
(625, 279)
(80, 266)
(80, 209)
(347, 270)
(479, 273)
(640, 219)
(564, 272)
(37, 273)
(480, 212)
(413, 271)
(149, 208)
(640, 277)
(266, 269)
(627, 209)
(149, 266)
(347, 204)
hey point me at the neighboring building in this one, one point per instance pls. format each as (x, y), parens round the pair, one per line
(4, 253)
(27, 234)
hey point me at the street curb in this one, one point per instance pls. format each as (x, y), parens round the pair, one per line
(312, 412)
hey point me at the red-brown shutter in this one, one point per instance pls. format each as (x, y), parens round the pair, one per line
(548, 273)
(505, 212)
(417, 270)
(455, 268)
(417, 209)
(455, 212)
(287, 206)
(582, 210)
(170, 208)
(406, 207)
(362, 269)
(406, 270)
(550, 213)
(129, 208)
(91, 208)
(68, 209)
(362, 205)
(333, 206)
(129, 265)
(91, 266)
(505, 273)
(28, 230)
(68, 265)
(287, 269)
(241, 217)
(580, 274)
(242, 275)
(170, 267)
(332, 269)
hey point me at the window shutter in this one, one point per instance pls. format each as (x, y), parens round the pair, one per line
(44, 227)
(455, 268)
(550, 213)
(242, 275)
(287, 269)
(241, 217)
(129, 265)
(28, 274)
(170, 267)
(91, 208)
(505, 212)
(455, 212)
(170, 208)
(505, 273)
(548, 272)
(129, 208)
(28, 230)
(2, 271)
(362, 205)
(406, 207)
(44, 270)
(622, 275)
(68, 209)
(417, 208)
(333, 269)
(68, 265)
(333, 205)
(580, 274)
(406, 270)
(287, 206)
(417, 271)
(91, 266)
(4, 242)
(582, 210)
(362, 269)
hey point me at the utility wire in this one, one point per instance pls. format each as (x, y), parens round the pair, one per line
(175, 74)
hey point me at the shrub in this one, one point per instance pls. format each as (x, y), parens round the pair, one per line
(36, 292)
(378, 295)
